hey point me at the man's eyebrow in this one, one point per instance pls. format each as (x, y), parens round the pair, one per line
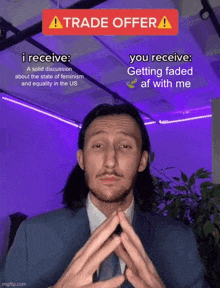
(119, 132)
(98, 132)
(127, 134)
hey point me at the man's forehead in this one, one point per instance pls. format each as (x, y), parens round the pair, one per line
(117, 123)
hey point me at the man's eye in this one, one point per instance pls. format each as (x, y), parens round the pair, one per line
(97, 146)
(125, 146)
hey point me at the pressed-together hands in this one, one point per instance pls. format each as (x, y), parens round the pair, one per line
(140, 271)
(144, 275)
(87, 260)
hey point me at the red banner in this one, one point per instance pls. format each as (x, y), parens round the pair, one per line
(110, 22)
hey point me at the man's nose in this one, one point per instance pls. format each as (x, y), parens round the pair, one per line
(110, 157)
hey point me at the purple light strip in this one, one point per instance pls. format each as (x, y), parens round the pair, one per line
(149, 123)
(183, 120)
(180, 120)
(79, 126)
(43, 112)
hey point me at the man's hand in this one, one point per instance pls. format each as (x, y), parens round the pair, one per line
(87, 260)
(145, 275)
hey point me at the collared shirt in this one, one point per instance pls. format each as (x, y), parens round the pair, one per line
(96, 218)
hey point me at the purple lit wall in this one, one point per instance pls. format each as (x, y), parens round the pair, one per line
(38, 152)
(187, 146)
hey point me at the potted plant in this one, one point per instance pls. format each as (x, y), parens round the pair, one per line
(195, 201)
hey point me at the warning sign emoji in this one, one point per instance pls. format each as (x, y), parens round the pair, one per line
(55, 24)
(164, 24)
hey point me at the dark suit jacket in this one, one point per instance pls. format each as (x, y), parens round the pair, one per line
(45, 245)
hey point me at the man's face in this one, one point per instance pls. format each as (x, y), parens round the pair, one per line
(112, 157)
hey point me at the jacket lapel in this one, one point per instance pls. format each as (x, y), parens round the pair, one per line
(80, 228)
(141, 227)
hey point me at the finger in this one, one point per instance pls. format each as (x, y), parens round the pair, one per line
(98, 240)
(128, 229)
(97, 230)
(82, 274)
(112, 283)
(138, 260)
(147, 272)
(99, 236)
(104, 224)
(94, 262)
(133, 251)
(135, 280)
(122, 254)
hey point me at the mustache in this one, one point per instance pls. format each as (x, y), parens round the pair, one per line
(113, 173)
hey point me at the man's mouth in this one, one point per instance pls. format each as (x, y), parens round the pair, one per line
(109, 179)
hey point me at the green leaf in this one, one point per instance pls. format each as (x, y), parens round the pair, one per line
(216, 192)
(170, 197)
(217, 221)
(216, 235)
(161, 191)
(170, 213)
(208, 228)
(176, 178)
(194, 196)
(188, 187)
(204, 194)
(205, 184)
(166, 184)
(178, 202)
(204, 175)
(175, 213)
(200, 171)
(192, 179)
(210, 206)
(166, 207)
(216, 201)
(201, 218)
(180, 188)
(184, 177)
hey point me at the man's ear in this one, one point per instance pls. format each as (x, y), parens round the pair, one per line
(80, 159)
(143, 162)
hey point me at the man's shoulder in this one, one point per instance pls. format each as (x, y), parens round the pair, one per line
(166, 234)
(162, 224)
(56, 217)
(167, 221)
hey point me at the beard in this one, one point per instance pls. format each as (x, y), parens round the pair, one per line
(109, 193)
(116, 197)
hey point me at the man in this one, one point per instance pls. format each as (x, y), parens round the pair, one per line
(110, 188)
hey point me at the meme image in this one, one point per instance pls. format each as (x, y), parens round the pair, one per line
(110, 143)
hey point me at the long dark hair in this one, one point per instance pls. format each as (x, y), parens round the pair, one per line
(75, 191)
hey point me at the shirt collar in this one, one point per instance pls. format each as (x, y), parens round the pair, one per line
(96, 217)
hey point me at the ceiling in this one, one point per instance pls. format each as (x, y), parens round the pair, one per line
(106, 59)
